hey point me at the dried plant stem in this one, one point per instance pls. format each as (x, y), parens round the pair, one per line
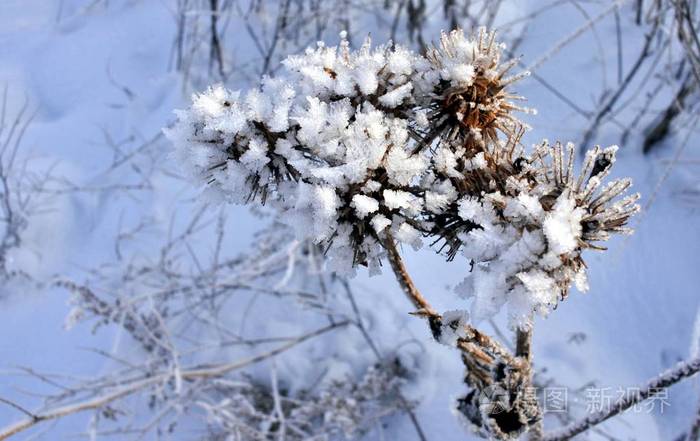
(486, 361)
(474, 336)
(523, 343)
(474, 339)
(668, 378)
(70, 409)
(537, 431)
(404, 279)
(523, 349)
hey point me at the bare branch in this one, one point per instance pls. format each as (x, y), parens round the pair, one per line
(668, 378)
(140, 384)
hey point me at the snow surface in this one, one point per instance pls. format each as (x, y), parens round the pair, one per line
(638, 317)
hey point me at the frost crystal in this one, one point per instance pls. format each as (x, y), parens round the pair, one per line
(354, 147)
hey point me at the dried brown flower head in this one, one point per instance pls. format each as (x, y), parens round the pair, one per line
(471, 102)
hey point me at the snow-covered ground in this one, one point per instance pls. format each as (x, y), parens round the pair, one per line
(101, 80)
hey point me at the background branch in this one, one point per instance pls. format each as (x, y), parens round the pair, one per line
(654, 386)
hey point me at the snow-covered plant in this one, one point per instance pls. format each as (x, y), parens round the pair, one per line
(525, 234)
(359, 149)
(469, 100)
(352, 145)
(237, 144)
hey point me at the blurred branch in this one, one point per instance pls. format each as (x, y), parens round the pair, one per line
(216, 55)
(660, 128)
(132, 386)
(607, 105)
(573, 35)
(668, 378)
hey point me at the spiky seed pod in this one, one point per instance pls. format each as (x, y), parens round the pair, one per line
(487, 171)
(604, 214)
(340, 142)
(470, 103)
(369, 182)
(532, 222)
(467, 108)
(380, 76)
(240, 148)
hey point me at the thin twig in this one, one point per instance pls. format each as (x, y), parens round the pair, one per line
(574, 35)
(368, 338)
(140, 384)
(215, 54)
(612, 100)
(18, 407)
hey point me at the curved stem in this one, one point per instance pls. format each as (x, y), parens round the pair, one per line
(483, 357)
(404, 279)
(475, 338)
